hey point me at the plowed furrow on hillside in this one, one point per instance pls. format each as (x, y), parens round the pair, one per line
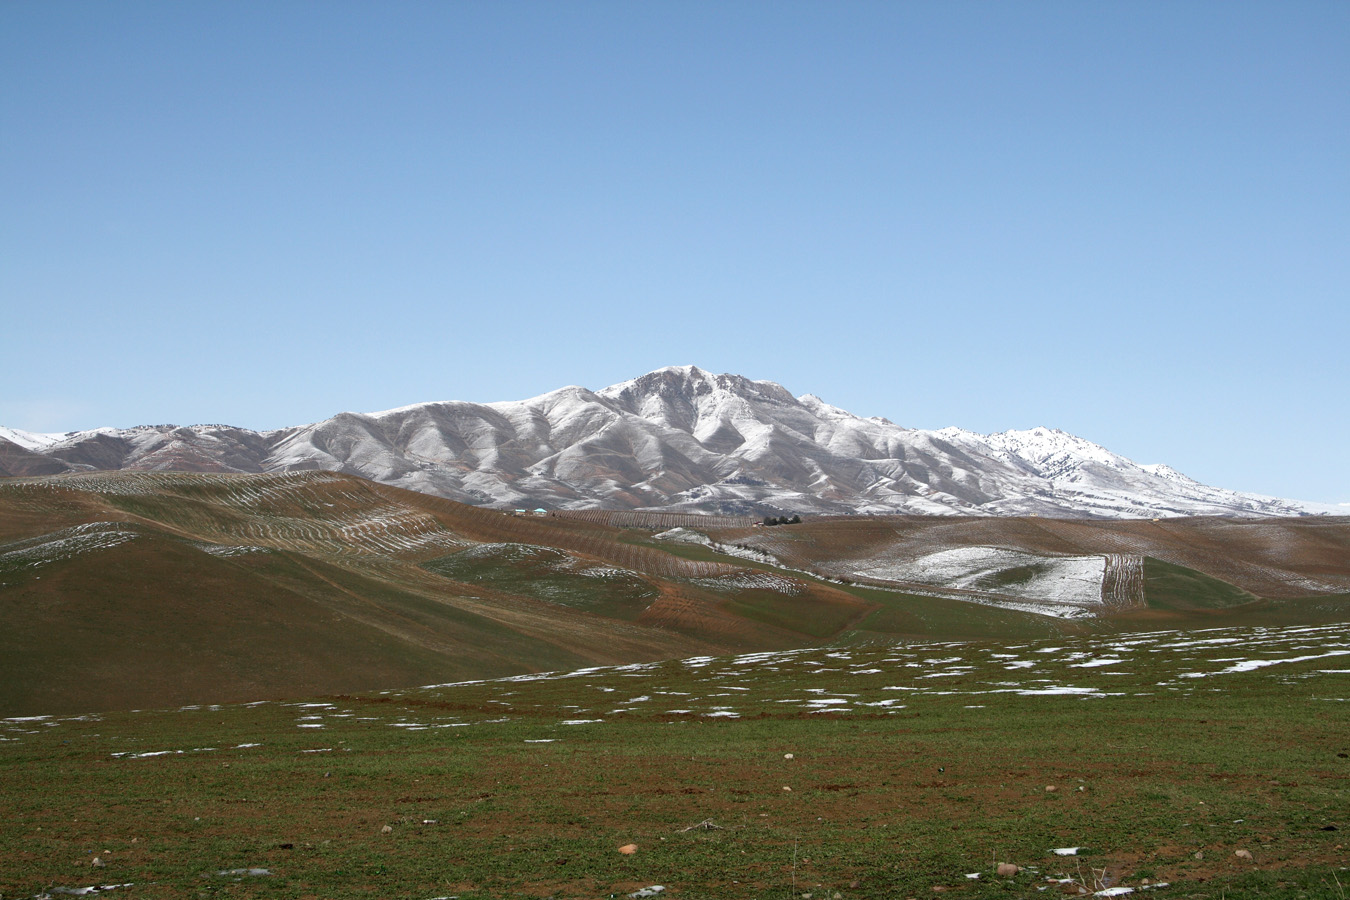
(1123, 582)
(599, 542)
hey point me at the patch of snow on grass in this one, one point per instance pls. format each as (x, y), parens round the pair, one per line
(1251, 665)
(84, 891)
(684, 536)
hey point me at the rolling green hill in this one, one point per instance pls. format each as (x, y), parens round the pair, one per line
(122, 590)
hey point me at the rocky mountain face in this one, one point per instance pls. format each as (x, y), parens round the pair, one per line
(678, 438)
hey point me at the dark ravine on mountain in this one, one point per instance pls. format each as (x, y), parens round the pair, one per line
(678, 438)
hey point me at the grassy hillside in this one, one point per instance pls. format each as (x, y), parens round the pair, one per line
(1169, 586)
(149, 589)
(127, 589)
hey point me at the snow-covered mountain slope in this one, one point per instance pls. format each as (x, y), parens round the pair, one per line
(28, 440)
(676, 438)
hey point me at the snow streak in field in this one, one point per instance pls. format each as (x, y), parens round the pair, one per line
(882, 681)
(828, 682)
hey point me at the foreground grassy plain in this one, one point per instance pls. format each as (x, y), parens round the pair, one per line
(900, 771)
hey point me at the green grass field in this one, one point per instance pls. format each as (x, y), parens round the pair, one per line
(549, 575)
(887, 772)
(1169, 586)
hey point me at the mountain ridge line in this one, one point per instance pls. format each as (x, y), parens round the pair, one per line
(677, 438)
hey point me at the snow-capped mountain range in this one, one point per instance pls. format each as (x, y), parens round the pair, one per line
(678, 438)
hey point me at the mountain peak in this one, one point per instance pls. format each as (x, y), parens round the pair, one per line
(1040, 444)
(829, 411)
(688, 383)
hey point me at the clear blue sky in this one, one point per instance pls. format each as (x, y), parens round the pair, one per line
(1128, 220)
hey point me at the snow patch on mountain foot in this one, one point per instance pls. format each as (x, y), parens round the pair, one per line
(1065, 580)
